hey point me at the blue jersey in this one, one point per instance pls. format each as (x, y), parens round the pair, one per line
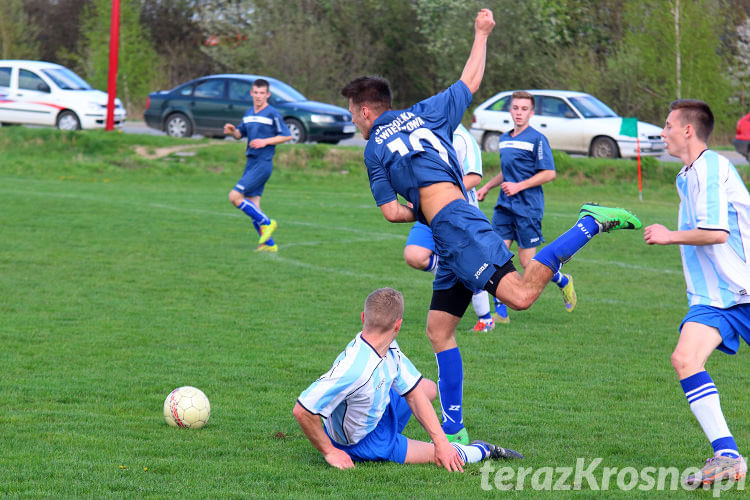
(521, 157)
(413, 148)
(354, 394)
(261, 125)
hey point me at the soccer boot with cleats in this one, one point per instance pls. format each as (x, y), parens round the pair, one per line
(719, 468)
(266, 230)
(461, 437)
(501, 314)
(610, 218)
(496, 452)
(268, 248)
(569, 294)
(484, 326)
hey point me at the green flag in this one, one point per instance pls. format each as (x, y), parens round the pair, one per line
(629, 127)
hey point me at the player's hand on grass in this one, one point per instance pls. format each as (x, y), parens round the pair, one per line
(656, 234)
(447, 456)
(339, 459)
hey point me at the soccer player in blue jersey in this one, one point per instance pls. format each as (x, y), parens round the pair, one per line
(409, 153)
(419, 251)
(714, 237)
(525, 164)
(370, 393)
(264, 128)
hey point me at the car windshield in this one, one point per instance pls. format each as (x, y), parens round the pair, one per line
(591, 107)
(285, 93)
(66, 79)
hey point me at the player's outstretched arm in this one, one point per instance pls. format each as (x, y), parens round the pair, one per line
(474, 69)
(445, 454)
(310, 425)
(656, 234)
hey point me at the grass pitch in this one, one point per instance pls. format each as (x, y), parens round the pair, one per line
(124, 276)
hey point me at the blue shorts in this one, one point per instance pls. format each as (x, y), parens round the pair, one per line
(385, 441)
(254, 178)
(732, 324)
(467, 246)
(526, 231)
(421, 236)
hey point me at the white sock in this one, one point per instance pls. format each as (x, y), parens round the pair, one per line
(471, 453)
(481, 304)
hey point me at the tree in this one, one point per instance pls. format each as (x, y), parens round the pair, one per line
(17, 32)
(138, 69)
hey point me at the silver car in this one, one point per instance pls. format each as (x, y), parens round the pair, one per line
(573, 122)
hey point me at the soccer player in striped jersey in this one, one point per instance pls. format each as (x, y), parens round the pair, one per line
(714, 237)
(526, 163)
(419, 251)
(264, 128)
(368, 396)
(410, 153)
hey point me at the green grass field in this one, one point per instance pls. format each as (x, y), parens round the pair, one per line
(123, 277)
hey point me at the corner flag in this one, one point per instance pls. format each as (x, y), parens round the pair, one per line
(629, 128)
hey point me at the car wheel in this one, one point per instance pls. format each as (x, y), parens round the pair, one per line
(178, 125)
(297, 130)
(490, 142)
(604, 147)
(68, 120)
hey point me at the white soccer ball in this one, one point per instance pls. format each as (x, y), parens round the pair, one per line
(187, 407)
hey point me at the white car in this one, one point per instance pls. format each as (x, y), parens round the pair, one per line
(573, 122)
(43, 93)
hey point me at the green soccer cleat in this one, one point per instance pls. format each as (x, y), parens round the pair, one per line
(610, 218)
(496, 452)
(569, 294)
(461, 437)
(266, 230)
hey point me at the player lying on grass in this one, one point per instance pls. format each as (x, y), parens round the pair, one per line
(409, 153)
(370, 393)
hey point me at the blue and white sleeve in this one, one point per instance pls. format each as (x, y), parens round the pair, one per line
(544, 160)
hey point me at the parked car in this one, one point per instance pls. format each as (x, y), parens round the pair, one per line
(742, 139)
(204, 105)
(573, 122)
(44, 93)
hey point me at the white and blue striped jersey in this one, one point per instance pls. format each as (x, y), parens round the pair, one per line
(713, 197)
(469, 156)
(353, 395)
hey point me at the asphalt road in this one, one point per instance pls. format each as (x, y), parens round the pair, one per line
(139, 127)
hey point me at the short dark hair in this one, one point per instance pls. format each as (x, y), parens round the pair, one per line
(696, 113)
(522, 94)
(372, 90)
(383, 308)
(261, 82)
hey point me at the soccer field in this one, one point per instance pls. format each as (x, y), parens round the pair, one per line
(123, 278)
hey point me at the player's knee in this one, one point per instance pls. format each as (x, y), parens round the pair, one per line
(235, 198)
(415, 258)
(684, 363)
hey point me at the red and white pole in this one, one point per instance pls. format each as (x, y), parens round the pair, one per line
(114, 43)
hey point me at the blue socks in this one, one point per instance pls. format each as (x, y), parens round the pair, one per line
(254, 212)
(703, 397)
(562, 249)
(450, 387)
(560, 279)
